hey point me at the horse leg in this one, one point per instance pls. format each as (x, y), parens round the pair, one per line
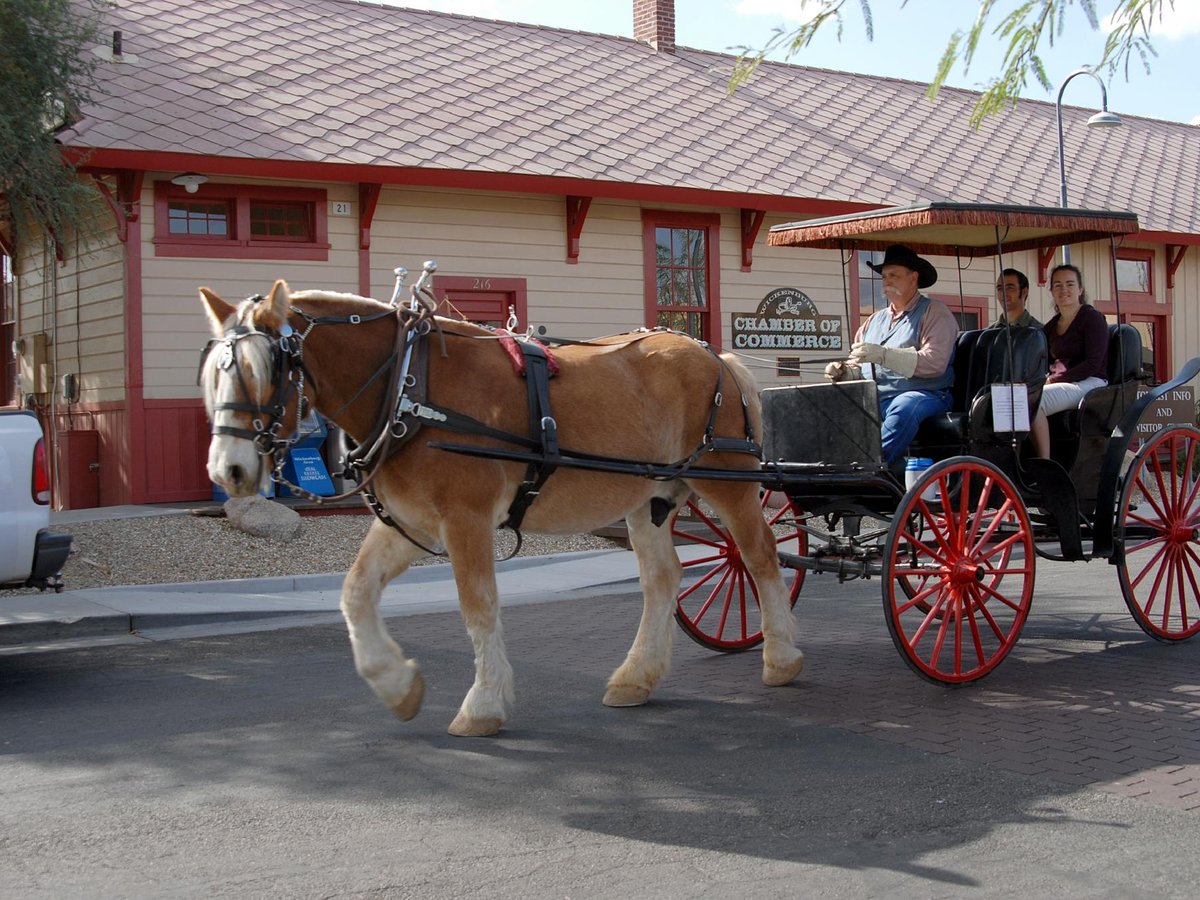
(660, 573)
(380, 661)
(486, 705)
(739, 510)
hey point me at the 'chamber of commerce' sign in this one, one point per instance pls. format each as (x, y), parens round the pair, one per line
(786, 319)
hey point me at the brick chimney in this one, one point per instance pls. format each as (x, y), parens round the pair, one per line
(654, 23)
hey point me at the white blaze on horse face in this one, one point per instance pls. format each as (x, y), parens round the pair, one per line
(234, 462)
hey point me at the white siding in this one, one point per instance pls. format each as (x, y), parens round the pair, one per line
(79, 304)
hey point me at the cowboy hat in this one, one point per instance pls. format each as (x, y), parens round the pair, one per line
(899, 255)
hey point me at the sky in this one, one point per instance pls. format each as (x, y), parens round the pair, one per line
(908, 42)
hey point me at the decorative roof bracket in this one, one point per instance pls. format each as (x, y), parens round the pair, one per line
(1174, 258)
(577, 210)
(126, 204)
(752, 220)
(368, 199)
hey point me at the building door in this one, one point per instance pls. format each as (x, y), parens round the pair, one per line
(482, 300)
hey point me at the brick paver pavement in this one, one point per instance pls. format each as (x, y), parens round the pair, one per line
(1084, 699)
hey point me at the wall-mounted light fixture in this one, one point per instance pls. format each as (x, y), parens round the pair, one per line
(189, 181)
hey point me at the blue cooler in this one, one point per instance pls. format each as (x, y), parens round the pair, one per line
(304, 466)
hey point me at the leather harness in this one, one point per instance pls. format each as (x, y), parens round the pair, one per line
(406, 409)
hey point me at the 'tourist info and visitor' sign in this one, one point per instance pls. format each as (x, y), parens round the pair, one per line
(1177, 407)
(786, 319)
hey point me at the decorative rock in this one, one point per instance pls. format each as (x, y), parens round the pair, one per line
(263, 518)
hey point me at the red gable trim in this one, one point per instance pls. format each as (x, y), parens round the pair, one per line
(453, 178)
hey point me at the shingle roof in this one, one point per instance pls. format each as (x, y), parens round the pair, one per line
(344, 82)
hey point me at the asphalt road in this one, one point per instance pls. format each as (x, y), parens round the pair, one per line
(259, 765)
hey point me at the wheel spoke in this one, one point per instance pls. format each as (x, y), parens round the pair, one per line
(1160, 573)
(957, 583)
(721, 609)
(708, 576)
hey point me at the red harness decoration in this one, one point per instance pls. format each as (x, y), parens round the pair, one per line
(509, 343)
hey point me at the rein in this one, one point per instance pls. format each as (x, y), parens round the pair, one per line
(404, 409)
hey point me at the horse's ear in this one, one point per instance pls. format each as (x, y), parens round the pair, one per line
(218, 310)
(272, 313)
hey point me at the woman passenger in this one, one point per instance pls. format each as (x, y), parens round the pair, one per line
(1078, 341)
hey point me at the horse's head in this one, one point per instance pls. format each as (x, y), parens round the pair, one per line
(253, 382)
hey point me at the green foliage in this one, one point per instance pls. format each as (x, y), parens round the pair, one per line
(1022, 31)
(47, 72)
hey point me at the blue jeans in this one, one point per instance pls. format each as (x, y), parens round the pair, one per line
(902, 415)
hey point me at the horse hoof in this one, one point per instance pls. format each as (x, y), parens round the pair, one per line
(776, 676)
(411, 704)
(462, 726)
(625, 695)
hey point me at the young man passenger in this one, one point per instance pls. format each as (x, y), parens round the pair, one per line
(906, 348)
(1012, 290)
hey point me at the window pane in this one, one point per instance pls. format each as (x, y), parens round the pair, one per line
(198, 218)
(870, 285)
(682, 258)
(968, 319)
(280, 221)
(1133, 275)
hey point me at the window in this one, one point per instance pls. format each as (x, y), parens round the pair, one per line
(280, 222)
(870, 284)
(1141, 309)
(969, 312)
(681, 272)
(1135, 275)
(240, 221)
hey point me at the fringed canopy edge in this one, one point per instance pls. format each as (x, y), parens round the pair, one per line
(956, 229)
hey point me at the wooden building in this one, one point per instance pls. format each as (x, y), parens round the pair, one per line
(590, 183)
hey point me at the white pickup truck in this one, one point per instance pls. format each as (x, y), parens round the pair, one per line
(30, 554)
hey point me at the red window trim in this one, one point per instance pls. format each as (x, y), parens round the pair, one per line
(236, 246)
(711, 223)
(975, 303)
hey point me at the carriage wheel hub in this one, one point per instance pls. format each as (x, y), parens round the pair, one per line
(965, 572)
(1184, 534)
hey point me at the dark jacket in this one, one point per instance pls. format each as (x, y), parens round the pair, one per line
(1083, 346)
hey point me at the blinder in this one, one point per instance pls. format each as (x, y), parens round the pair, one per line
(287, 374)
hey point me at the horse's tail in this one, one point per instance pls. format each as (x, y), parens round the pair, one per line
(748, 385)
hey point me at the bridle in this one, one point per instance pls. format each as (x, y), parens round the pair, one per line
(289, 375)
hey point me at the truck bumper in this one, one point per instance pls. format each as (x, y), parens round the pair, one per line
(49, 556)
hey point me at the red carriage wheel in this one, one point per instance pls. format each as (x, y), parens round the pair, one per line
(1158, 555)
(720, 610)
(958, 571)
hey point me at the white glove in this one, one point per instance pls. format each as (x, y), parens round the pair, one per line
(840, 371)
(901, 360)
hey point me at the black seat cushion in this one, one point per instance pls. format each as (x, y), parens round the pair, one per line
(1124, 366)
(982, 358)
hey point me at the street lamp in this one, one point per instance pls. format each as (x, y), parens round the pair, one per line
(1102, 119)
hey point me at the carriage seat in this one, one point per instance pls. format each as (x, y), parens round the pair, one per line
(1079, 437)
(1123, 368)
(981, 359)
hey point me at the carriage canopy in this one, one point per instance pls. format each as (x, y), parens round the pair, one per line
(956, 229)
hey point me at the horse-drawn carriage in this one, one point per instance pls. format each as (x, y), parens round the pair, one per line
(955, 550)
(450, 445)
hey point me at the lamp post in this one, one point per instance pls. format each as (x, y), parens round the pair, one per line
(1102, 119)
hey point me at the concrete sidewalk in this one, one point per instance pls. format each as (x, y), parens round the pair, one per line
(36, 620)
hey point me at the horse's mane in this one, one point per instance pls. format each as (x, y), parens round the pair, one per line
(452, 326)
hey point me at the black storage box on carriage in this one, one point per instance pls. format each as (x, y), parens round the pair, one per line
(835, 424)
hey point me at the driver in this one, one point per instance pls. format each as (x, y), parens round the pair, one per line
(906, 347)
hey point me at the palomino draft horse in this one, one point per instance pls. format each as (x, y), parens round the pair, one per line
(646, 396)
